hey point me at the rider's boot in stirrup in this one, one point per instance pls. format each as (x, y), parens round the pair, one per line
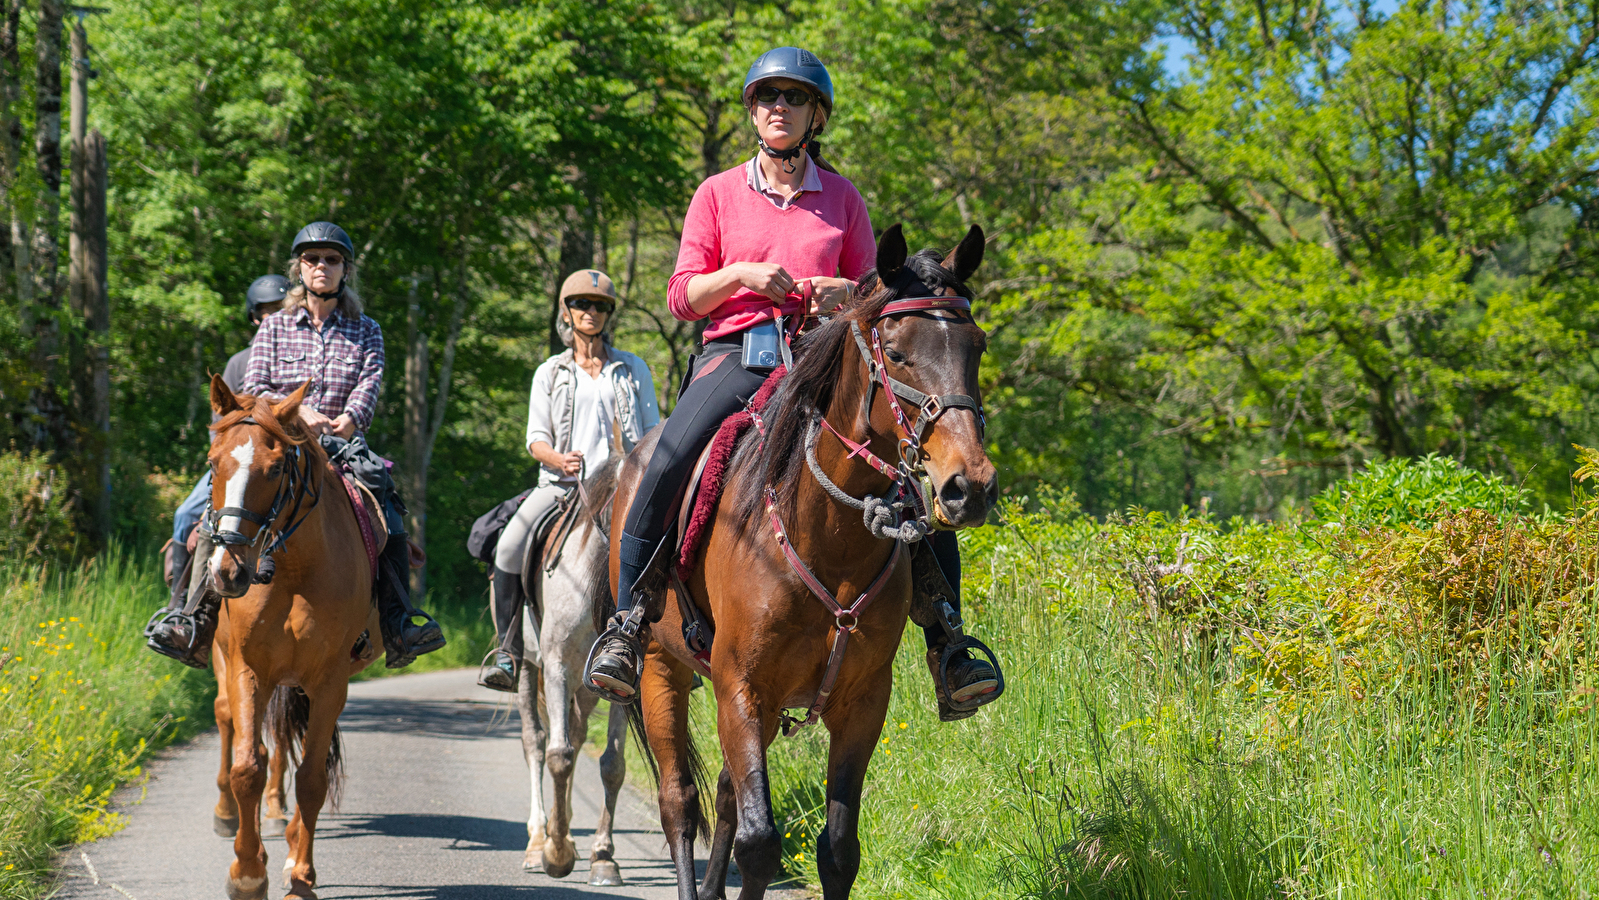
(175, 633)
(404, 638)
(617, 660)
(962, 681)
(503, 664)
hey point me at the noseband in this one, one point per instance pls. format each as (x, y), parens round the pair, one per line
(293, 485)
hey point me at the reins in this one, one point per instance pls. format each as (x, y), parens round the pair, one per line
(905, 519)
(295, 483)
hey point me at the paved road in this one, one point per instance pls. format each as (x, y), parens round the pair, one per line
(435, 808)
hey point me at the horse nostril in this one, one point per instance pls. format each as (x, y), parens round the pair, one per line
(991, 490)
(953, 494)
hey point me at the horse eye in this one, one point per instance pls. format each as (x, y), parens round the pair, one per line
(895, 357)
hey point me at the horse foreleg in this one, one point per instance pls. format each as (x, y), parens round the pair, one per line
(603, 869)
(715, 886)
(854, 729)
(274, 815)
(247, 875)
(534, 737)
(745, 730)
(663, 692)
(225, 817)
(311, 783)
(566, 735)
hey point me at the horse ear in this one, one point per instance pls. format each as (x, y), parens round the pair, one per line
(223, 400)
(965, 258)
(287, 410)
(891, 252)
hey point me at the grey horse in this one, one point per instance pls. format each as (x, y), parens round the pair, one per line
(558, 632)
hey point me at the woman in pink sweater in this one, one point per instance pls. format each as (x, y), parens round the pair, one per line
(757, 238)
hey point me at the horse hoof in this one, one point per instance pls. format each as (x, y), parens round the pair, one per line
(227, 828)
(273, 827)
(247, 889)
(605, 873)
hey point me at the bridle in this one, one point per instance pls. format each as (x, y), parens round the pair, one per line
(294, 484)
(906, 519)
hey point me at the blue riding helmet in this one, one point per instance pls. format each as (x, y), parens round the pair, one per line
(795, 64)
(264, 290)
(323, 234)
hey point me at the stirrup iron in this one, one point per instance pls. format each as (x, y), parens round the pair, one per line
(957, 641)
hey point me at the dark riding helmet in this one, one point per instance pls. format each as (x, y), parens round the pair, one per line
(795, 64)
(264, 290)
(323, 234)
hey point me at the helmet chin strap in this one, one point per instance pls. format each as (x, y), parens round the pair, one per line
(787, 157)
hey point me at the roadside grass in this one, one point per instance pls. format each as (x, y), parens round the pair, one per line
(82, 705)
(1377, 707)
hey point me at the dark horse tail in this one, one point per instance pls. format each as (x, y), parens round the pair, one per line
(603, 602)
(289, 712)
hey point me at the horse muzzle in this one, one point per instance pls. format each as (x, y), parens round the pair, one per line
(231, 573)
(961, 503)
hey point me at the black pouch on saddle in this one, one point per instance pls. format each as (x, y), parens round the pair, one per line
(372, 470)
(486, 530)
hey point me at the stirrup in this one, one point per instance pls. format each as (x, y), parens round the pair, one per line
(174, 618)
(491, 666)
(957, 641)
(626, 630)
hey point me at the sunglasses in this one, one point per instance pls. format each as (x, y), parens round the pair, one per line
(793, 96)
(314, 260)
(604, 307)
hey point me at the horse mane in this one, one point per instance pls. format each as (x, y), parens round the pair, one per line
(260, 410)
(820, 358)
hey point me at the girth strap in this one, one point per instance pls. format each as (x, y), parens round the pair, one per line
(846, 619)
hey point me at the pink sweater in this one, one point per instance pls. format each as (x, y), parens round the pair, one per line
(824, 233)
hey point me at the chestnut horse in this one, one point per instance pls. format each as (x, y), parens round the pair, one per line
(297, 620)
(774, 636)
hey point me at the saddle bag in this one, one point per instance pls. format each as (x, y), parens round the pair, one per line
(486, 530)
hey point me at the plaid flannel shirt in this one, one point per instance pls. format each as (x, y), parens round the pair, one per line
(343, 362)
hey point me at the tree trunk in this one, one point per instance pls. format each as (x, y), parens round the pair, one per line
(97, 312)
(416, 418)
(11, 155)
(47, 160)
(77, 264)
(577, 252)
(47, 403)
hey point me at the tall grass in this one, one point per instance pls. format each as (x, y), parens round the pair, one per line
(82, 705)
(1278, 715)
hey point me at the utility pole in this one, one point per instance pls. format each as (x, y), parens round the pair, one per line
(86, 277)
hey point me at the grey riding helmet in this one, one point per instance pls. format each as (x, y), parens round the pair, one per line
(795, 64)
(323, 234)
(264, 290)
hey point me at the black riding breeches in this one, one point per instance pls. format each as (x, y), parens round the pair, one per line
(717, 386)
(947, 550)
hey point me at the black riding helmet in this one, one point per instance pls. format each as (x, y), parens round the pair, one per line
(264, 290)
(330, 236)
(795, 64)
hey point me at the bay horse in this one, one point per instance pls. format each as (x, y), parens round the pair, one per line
(297, 620)
(556, 644)
(780, 539)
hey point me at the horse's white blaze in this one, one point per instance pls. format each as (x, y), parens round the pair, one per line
(233, 494)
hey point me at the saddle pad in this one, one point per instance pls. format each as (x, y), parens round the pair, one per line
(706, 491)
(374, 531)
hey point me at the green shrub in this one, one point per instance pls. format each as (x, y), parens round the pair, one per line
(35, 509)
(1413, 491)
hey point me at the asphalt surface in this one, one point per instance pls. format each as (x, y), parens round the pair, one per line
(435, 808)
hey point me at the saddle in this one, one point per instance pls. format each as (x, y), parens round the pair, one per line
(543, 551)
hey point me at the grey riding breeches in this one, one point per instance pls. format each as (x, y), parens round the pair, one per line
(513, 540)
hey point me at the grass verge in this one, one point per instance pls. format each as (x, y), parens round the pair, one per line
(82, 705)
